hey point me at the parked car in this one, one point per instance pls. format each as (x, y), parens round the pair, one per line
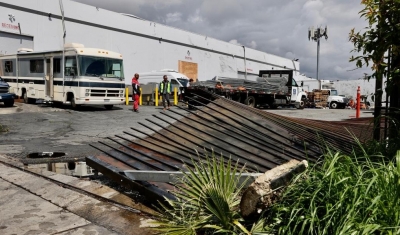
(5, 96)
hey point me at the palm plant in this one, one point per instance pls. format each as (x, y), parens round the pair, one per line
(206, 200)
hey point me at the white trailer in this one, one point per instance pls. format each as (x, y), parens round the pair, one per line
(75, 76)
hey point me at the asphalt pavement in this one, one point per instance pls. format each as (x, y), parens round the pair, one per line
(34, 128)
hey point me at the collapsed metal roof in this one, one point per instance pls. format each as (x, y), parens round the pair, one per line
(255, 138)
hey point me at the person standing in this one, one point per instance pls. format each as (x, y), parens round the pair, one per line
(164, 91)
(135, 92)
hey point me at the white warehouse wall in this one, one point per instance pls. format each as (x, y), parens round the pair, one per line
(145, 45)
(367, 88)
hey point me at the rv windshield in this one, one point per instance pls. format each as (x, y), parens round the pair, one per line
(183, 81)
(101, 67)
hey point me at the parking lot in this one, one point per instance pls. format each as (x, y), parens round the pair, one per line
(28, 128)
(37, 128)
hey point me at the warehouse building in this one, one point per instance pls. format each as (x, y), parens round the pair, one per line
(145, 45)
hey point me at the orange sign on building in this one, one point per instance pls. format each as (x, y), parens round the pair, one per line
(189, 69)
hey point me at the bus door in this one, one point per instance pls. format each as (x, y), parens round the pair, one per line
(49, 78)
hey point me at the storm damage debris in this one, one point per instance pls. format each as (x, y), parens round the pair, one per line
(256, 139)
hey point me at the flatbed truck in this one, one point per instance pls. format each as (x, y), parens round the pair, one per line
(272, 89)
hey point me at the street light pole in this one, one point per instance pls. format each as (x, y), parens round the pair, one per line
(315, 35)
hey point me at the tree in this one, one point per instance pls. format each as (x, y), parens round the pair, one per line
(381, 36)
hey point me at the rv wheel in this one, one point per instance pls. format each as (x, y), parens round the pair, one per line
(26, 99)
(73, 104)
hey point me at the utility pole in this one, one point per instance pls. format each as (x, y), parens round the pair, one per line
(315, 35)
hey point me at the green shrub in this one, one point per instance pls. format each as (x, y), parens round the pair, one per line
(341, 195)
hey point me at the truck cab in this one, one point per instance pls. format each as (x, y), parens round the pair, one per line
(5, 96)
(335, 100)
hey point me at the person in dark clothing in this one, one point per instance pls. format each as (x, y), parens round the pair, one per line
(135, 92)
(164, 91)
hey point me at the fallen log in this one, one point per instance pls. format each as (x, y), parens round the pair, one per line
(262, 192)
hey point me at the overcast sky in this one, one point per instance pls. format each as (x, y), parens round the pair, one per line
(279, 27)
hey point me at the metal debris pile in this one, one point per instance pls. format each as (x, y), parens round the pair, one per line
(258, 139)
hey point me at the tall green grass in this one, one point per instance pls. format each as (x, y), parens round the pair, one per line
(341, 195)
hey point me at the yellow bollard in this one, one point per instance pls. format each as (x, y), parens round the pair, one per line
(126, 96)
(140, 97)
(175, 96)
(156, 97)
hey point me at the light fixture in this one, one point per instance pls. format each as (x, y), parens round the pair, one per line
(315, 35)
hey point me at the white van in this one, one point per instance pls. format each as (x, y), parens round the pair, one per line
(150, 80)
(155, 77)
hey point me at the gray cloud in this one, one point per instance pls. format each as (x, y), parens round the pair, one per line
(278, 27)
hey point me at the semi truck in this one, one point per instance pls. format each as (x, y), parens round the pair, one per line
(272, 89)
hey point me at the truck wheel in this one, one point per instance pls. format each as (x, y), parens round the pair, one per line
(9, 103)
(250, 101)
(333, 105)
(301, 105)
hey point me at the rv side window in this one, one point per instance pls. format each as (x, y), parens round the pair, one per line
(36, 66)
(70, 66)
(8, 66)
(56, 65)
(174, 82)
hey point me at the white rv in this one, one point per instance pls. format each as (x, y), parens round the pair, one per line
(75, 76)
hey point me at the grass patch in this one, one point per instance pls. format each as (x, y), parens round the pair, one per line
(341, 195)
